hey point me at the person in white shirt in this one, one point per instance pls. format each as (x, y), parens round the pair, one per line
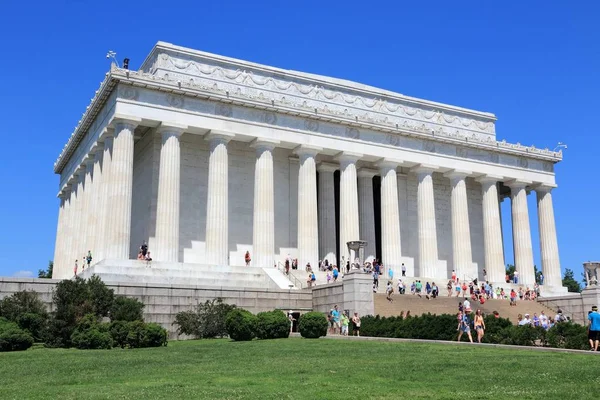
(525, 321)
(467, 306)
(543, 320)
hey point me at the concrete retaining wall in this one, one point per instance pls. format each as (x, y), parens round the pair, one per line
(163, 302)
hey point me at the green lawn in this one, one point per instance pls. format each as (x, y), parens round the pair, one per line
(298, 369)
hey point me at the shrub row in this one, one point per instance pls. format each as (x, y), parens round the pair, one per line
(498, 330)
(71, 325)
(242, 325)
(91, 334)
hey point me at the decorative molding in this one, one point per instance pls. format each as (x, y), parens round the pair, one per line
(338, 106)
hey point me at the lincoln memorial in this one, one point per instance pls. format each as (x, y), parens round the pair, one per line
(206, 157)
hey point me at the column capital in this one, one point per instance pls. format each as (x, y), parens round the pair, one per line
(517, 184)
(489, 179)
(424, 169)
(305, 150)
(367, 173)
(327, 167)
(171, 129)
(386, 164)
(457, 174)
(544, 187)
(345, 158)
(125, 120)
(214, 137)
(264, 144)
(107, 133)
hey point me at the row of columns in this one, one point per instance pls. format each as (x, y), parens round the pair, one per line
(102, 193)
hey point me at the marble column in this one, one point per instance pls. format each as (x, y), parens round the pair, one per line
(118, 232)
(88, 190)
(103, 197)
(427, 230)
(76, 251)
(492, 230)
(349, 223)
(168, 203)
(67, 260)
(391, 248)
(263, 234)
(58, 244)
(308, 221)
(217, 208)
(366, 211)
(462, 255)
(94, 217)
(548, 241)
(327, 237)
(522, 232)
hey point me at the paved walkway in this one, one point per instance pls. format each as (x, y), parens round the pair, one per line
(490, 345)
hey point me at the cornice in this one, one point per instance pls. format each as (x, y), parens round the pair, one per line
(214, 92)
(315, 80)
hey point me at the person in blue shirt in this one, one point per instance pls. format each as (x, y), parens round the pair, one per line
(594, 328)
(335, 315)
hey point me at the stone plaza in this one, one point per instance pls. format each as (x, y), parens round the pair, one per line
(207, 157)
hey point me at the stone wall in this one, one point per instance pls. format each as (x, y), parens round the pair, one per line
(575, 305)
(163, 302)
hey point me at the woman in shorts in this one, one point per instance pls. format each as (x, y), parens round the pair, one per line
(479, 325)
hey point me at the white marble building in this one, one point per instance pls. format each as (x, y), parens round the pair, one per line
(206, 157)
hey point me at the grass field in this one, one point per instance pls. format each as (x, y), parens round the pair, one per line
(298, 369)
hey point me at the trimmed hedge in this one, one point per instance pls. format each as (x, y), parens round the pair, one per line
(272, 325)
(313, 325)
(241, 324)
(13, 338)
(142, 334)
(26, 310)
(498, 330)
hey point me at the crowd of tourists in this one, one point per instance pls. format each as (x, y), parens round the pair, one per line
(340, 320)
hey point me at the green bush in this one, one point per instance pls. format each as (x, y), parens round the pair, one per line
(241, 324)
(73, 300)
(567, 335)
(28, 311)
(206, 321)
(313, 325)
(119, 330)
(272, 325)
(142, 334)
(91, 339)
(91, 334)
(13, 338)
(127, 309)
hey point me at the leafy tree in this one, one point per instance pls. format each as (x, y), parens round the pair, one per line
(27, 310)
(510, 271)
(73, 300)
(570, 282)
(206, 321)
(538, 274)
(46, 273)
(127, 309)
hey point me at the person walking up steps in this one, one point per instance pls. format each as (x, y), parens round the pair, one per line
(389, 291)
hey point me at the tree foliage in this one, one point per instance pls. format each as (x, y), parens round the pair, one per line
(27, 310)
(127, 309)
(272, 325)
(570, 282)
(206, 321)
(47, 273)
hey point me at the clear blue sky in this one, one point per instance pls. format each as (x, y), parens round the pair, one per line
(535, 64)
